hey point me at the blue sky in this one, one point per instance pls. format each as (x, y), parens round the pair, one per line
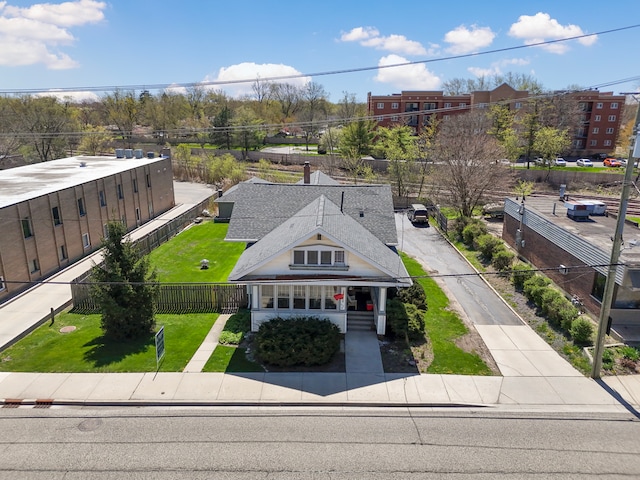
(131, 43)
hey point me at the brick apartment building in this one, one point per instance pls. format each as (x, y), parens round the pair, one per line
(54, 213)
(599, 122)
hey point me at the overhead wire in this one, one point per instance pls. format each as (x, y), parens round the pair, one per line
(161, 86)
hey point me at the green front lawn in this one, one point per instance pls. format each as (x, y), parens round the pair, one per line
(443, 327)
(178, 260)
(227, 358)
(85, 349)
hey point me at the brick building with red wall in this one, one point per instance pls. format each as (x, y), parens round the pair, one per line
(599, 122)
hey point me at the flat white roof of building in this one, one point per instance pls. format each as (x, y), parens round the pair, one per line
(31, 181)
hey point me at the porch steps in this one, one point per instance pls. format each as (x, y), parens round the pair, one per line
(360, 321)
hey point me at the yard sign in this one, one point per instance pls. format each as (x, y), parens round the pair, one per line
(159, 346)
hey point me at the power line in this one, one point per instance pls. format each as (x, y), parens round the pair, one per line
(162, 86)
(325, 279)
(231, 129)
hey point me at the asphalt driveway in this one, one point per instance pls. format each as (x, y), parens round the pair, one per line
(481, 304)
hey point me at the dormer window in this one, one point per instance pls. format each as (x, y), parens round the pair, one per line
(316, 257)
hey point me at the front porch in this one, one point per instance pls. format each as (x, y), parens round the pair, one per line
(349, 307)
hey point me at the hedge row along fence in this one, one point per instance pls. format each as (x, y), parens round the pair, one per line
(552, 303)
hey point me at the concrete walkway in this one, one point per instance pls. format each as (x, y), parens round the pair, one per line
(209, 344)
(362, 353)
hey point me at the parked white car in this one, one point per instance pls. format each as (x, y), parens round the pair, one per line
(584, 162)
(560, 162)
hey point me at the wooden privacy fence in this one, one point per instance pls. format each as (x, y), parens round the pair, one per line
(192, 298)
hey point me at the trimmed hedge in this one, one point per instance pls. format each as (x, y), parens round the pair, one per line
(487, 244)
(502, 259)
(236, 327)
(521, 272)
(414, 295)
(297, 341)
(473, 229)
(405, 320)
(582, 331)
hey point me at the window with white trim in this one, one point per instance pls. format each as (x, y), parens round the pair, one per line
(325, 257)
(394, 118)
(599, 105)
(380, 106)
(614, 105)
(612, 118)
(299, 297)
(266, 296)
(578, 143)
(330, 302)
(447, 105)
(379, 118)
(463, 104)
(610, 130)
(594, 143)
(598, 118)
(596, 130)
(315, 297)
(86, 243)
(284, 294)
(607, 143)
(518, 105)
(395, 105)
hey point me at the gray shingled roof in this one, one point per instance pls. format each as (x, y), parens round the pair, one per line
(261, 207)
(320, 216)
(319, 178)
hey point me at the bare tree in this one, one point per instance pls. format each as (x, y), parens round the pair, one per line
(467, 157)
(289, 96)
(261, 90)
(43, 124)
(122, 110)
(315, 105)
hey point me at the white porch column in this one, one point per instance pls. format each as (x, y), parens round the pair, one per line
(255, 297)
(382, 299)
(382, 314)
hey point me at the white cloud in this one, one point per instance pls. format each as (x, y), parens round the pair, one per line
(77, 96)
(408, 77)
(27, 35)
(541, 27)
(248, 72)
(496, 67)
(67, 14)
(359, 33)
(484, 72)
(466, 40)
(370, 37)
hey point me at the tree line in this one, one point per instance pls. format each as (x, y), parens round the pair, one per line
(42, 128)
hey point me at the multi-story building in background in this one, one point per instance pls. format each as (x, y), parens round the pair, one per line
(54, 213)
(597, 128)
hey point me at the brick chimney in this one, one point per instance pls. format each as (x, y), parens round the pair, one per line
(307, 172)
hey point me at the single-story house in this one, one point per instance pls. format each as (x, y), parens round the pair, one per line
(316, 249)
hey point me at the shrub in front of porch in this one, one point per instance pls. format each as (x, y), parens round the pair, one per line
(295, 341)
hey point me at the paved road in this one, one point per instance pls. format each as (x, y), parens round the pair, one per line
(292, 444)
(478, 301)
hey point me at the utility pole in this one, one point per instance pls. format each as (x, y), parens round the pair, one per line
(607, 296)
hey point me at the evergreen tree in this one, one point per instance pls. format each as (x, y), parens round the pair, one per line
(124, 287)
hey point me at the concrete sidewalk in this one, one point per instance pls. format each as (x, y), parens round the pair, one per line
(534, 393)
